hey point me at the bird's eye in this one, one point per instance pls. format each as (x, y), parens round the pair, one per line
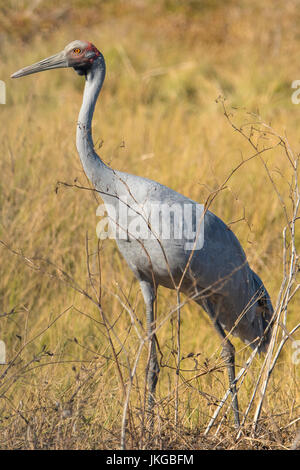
(77, 50)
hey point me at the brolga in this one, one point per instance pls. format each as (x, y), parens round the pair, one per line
(168, 239)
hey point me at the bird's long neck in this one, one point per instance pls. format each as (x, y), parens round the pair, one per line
(94, 167)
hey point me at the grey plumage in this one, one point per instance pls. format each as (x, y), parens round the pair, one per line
(217, 276)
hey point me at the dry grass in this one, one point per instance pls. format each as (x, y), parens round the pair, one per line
(157, 117)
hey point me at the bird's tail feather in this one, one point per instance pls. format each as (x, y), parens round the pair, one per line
(264, 314)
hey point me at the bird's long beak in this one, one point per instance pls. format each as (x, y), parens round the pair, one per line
(54, 62)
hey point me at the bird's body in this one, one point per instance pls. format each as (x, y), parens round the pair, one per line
(215, 273)
(218, 272)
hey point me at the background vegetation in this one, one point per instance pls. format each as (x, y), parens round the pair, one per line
(167, 63)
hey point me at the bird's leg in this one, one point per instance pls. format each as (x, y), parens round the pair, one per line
(152, 370)
(228, 354)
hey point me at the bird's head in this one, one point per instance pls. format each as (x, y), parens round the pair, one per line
(78, 54)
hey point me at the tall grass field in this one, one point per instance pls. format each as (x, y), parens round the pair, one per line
(198, 96)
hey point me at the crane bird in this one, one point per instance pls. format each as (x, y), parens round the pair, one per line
(214, 273)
